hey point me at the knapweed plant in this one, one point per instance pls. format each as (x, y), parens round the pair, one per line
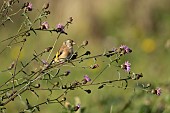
(47, 75)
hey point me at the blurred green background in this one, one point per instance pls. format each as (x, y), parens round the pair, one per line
(143, 25)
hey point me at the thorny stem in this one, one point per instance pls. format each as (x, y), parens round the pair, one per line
(70, 88)
(104, 69)
(14, 74)
(37, 77)
(53, 46)
(5, 10)
(14, 38)
(22, 68)
(51, 100)
(13, 97)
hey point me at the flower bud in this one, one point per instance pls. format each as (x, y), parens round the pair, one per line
(85, 43)
(94, 66)
(48, 49)
(47, 12)
(27, 34)
(11, 66)
(70, 20)
(77, 107)
(46, 5)
(37, 85)
(66, 73)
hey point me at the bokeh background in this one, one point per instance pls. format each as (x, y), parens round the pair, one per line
(143, 25)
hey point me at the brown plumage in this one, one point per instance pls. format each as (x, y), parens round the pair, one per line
(65, 51)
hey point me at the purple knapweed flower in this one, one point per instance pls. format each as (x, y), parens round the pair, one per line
(45, 25)
(86, 79)
(158, 91)
(126, 66)
(60, 28)
(28, 6)
(125, 49)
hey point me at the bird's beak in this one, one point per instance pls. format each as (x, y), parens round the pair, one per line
(74, 43)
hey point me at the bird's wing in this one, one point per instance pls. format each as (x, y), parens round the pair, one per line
(60, 50)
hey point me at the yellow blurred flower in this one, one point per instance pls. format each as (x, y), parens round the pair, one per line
(148, 45)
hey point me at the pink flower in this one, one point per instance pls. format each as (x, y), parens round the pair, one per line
(45, 25)
(158, 91)
(86, 79)
(125, 49)
(29, 6)
(126, 66)
(60, 28)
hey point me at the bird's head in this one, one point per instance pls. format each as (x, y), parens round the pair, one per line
(69, 43)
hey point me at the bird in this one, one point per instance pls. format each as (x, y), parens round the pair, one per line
(65, 52)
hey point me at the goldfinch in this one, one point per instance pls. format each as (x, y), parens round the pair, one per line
(65, 52)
